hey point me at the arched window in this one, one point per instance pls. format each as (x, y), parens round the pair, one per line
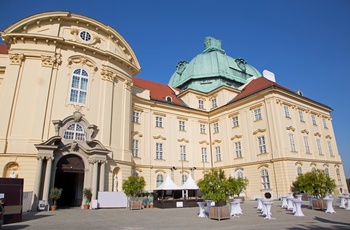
(75, 132)
(265, 180)
(313, 169)
(183, 179)
(338, 177)
(78, 89)
(160, 179)
(299, 171)
(326, 171)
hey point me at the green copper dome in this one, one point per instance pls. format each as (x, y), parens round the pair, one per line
(212, 69)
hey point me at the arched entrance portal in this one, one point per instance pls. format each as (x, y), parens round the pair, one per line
(70, 177)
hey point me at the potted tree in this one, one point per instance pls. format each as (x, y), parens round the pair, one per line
(237, 186)
(133, 188)
(217, 187)
(55, 194)
(316, 183)
(88, 195)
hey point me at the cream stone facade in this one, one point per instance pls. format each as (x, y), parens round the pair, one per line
(74, 116)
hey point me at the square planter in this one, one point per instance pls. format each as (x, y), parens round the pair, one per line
(319, 204)
(135, 205)
(219, 213)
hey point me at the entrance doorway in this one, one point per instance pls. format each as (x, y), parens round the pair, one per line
(70, 177)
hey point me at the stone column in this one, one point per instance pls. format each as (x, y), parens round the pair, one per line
(37, 183)
(94, 180)
(47, 179)
(102, 176)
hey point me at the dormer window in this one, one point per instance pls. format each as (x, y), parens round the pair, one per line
(85, 36)
(168, 99)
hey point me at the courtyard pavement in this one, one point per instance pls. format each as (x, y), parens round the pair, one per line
(181, 218)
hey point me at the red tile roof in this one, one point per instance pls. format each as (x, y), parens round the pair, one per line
(158, 92)
(257, 85)
(3, 49)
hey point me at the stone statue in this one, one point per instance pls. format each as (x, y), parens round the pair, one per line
(115, 188)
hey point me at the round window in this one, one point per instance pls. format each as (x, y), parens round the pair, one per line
(85, 36)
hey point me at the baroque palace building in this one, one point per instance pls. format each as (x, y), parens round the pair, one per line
(74, 116)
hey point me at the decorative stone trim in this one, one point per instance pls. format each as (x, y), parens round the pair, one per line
(16, 59)
(107, 74)
(290, 128)
(204, 142)
(136, 133)
(259, 131)
(159, 137)
(82, 60)
(236, 137)
(304, 131)
(182, 140)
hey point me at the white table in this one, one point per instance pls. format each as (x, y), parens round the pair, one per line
(348, 200)
(342, 201)
(284, 202)
(260, 206)
(208, 206)
(329, 205)
(268, 205)
(233, 208)
(239, 209)
(298, 211)
(290, 203)
(201, 206)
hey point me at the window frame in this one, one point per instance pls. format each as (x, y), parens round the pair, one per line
(235, 122)
(265, 179)
(262, 145)
(159, 151)
(182, 126)
(135, 148)
(204, 154)
(286, 111)
(159, 122)
(79, 86)
(238, 149)
(218, 156)
(135, 116)
(257, 114)
(292, 143)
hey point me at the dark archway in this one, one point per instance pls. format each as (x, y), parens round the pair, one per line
(70, 177)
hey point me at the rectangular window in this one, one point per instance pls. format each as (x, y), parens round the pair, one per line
(135, 117)
(313, 118)
(216, 127)
(301, 116)
(238, 149)
(204, 155)
(262, 145)
(202, 128)
(324, 123)
(218, 153)
(159, 151)
(182, 125)
(200, 104)
(235, 121)
(182, 152)
(213, 103)
(292, 142)
(319, 147)
(135, 148)
(257, 114)
(286, 111)
(159, 121)
(306, 143)
(330, 148)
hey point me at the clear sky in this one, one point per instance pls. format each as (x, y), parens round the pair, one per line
(305, 43)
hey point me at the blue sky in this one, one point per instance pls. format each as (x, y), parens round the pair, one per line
(305, 43)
